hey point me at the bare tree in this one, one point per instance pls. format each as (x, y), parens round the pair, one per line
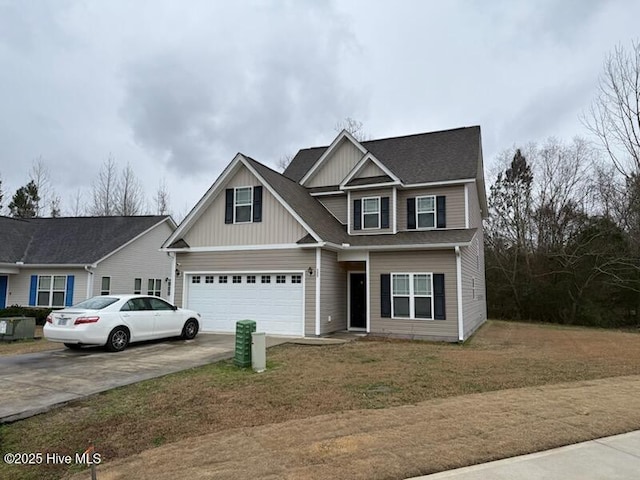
(105, 190)
(55, 206)
(284, 161)
(129, 195)
(354, 127)
(1, 195)
(162, 199)
(614, 116)
(39, 175)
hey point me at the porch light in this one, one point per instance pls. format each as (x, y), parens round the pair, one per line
(310, 271)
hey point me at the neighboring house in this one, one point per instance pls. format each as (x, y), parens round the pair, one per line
(382, 236)
(57, 262)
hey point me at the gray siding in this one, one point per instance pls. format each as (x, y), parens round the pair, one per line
(442, 261)
(370, 169)
(474, 308)
(337, 166)
(377, 192)
(249, 261)
(20, 284)
(333, 294)
(337, 205)
(277, 226)
(140, 259)
(475, 215)
(455, 204)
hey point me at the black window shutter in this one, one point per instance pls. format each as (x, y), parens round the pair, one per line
(385, 295)
(357, 214)
(442, 211)
(228, 207)
(257, 204)
(384, 212)
(438, 297)
(411, 213)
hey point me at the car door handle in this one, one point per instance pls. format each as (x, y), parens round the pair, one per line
(125, 314)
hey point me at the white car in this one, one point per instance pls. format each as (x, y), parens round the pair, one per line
(117, 320)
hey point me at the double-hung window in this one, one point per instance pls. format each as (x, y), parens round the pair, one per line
(426, 212)
(105, 286)
(154, 286)
(51, 290)
(412, 295)
(371, 212)
(243, 204)
(137, 286)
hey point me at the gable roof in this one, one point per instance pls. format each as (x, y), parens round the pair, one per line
(422, 158)
(70, 240)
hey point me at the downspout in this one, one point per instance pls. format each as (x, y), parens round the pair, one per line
(172, 276)
(459, 294)
(318, 262)
(89, 281)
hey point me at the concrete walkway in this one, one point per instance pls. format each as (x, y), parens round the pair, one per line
(609, 458)
(33, 383)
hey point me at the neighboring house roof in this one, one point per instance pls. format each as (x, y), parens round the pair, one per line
(69, 240)
(426, 157)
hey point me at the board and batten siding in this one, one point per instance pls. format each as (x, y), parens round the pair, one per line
(370, 169)
(432, 261)
(333, 293)
(376, 192)
(19, 285)
(454, 204)
(337, 166)
(140, 259)
(277, 225)
(337, 206)
(474, 306)
(253, 261)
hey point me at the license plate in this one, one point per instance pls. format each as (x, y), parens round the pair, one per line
(62, 321)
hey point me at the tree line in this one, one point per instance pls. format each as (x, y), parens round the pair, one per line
(563, 233)
(114, 191)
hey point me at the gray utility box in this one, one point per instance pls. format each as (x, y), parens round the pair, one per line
(17, 328)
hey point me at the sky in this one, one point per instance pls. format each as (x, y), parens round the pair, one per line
(176, 88)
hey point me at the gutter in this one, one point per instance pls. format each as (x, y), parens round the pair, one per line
(459, 294)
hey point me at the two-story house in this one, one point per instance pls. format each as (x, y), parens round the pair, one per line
(382, 236)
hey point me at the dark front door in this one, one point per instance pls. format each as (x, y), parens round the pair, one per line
(358, 301)
(3, 290)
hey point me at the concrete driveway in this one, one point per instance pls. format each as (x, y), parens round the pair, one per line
(35, 382)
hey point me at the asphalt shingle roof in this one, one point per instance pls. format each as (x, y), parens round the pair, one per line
(68, 240)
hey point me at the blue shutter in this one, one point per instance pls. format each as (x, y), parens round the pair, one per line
(357, 214)
(384, 212)
(438, 297)
(441, 211)
(385, 295)
(68, 298)
(411, 213)
(33, 291)
(228, 207)
(257, 204)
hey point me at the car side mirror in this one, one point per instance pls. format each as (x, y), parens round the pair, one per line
(174, 307)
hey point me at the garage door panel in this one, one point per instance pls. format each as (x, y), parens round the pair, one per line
(277, 308)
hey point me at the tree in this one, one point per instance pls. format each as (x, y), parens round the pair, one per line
(77, 204)
(614, 116)
(284, 161)
(354, 127)
(39, 175)
(162, 198)
(104, 190)
(55, 207)
(129, 195)
(25, 201)
(1, 195)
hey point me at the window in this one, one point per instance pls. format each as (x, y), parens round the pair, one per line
(208, 279)
(371, 212)
(105, 287)
(222, 279)
(237, 279)
(281, 279)
(426, 212)
(411, 295)
(296, 278)
(265, 279)
(137, 286)
(251, 279)
(194, 279)
(157, 304)
(51, 290)
(242, 204)
(155, 286)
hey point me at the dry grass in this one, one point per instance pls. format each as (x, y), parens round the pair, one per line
(37, 344)
(305, 381)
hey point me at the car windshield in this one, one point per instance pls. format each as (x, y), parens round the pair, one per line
(96, 303)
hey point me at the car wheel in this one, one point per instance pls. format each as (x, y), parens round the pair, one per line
(118, 339)
(73, 346)
(190, 329)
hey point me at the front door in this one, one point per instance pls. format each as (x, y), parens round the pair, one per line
(357, 301)
(3, 290)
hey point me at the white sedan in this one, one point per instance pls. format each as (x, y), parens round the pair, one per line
(116, 320)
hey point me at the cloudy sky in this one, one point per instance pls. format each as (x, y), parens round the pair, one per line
(177, 87)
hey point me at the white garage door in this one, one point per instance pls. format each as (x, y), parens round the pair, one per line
(273, 300)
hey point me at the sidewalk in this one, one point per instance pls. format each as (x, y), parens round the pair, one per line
(609, 458)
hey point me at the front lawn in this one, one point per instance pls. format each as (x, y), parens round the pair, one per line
(30, 345)
(306, 381)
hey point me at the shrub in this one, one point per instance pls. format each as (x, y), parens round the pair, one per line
(39, 313)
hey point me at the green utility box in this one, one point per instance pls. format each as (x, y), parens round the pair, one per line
(19, 328)
(244, 329)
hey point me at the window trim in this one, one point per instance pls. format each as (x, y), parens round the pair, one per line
(104, 291)
(412, 296)
(51, 291)
(156, 291)
(235, 204)
(378, 213)
(435, 213)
